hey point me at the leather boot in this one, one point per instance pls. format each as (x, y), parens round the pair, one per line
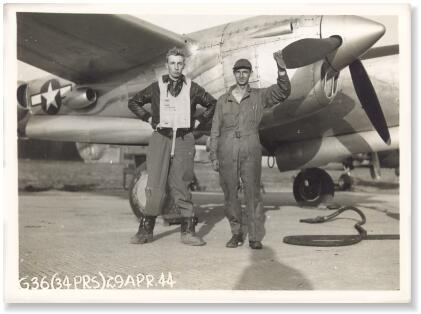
(235, 241)
(188, 235)
(145, 232)
(256, 245)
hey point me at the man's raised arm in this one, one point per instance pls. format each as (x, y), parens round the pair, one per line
(280, 91)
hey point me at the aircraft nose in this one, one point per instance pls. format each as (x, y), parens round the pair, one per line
(358, 34)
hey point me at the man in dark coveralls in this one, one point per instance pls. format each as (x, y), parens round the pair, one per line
(171, 149)
(235, 149)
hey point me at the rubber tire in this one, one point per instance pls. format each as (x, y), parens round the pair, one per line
(322, 190)
(137, 196)
(345, 182)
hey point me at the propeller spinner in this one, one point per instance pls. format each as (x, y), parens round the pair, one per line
(357, 35)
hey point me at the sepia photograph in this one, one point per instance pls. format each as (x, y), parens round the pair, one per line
(208, 155)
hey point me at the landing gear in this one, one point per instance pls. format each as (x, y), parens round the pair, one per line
(345, 182)
(375, 169)
(137, 199)
(137, 196)
(312, 187)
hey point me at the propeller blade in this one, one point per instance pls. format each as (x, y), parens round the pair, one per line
(368, 99)
(309, 50)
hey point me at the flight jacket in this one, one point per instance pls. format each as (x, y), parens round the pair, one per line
(151, 95)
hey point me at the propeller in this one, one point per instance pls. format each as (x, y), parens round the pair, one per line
(309, 50)
(368, 99)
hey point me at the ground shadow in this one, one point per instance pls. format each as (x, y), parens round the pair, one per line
(210, 208)
(210, 216)
(393, 215)
(267, 273)
(212, 213)
(164, 234)
(377, 184)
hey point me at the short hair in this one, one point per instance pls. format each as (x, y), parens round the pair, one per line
(175, 52)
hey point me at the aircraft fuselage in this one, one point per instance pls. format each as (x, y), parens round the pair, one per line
(322, 103)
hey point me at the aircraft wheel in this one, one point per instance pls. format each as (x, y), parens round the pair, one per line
(313, 186)
(137, 196)
(345, 182)
(91, 152)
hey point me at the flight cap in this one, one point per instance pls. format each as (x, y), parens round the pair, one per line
(242, 64)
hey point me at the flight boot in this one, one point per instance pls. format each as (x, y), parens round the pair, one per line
(255, 245)
(145, 232)
(188, 234)
(235, 241)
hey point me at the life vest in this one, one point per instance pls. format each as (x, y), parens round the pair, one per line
(174, 111)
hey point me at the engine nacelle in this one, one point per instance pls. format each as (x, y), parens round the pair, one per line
(52, 95)
(22, 101)
(319, 152)
(42, 96)
(80, 98)
(312, 88)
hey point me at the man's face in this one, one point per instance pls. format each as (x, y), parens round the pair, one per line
(175, 66)
(242, 76)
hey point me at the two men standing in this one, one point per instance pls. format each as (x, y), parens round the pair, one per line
(235, 146)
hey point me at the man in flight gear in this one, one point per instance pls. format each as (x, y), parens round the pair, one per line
(235, 149)
(170, 157)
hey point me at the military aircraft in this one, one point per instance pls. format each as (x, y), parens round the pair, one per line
(99, 61)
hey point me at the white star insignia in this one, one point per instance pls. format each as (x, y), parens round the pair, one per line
(50, 97)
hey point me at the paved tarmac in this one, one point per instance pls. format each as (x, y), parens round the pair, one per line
(81, 240)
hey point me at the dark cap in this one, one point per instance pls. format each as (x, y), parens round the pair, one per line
(242, 64)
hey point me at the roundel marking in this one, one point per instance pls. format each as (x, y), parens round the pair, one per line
(51, 97)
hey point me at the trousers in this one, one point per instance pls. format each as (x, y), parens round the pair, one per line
(241, 159)
(169, 177)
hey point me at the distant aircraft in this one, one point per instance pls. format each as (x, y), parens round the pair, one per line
(333, 112)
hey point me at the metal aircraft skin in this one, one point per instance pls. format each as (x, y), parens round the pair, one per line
(321, 121)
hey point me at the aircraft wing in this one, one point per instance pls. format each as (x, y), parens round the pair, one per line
(86, 48)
